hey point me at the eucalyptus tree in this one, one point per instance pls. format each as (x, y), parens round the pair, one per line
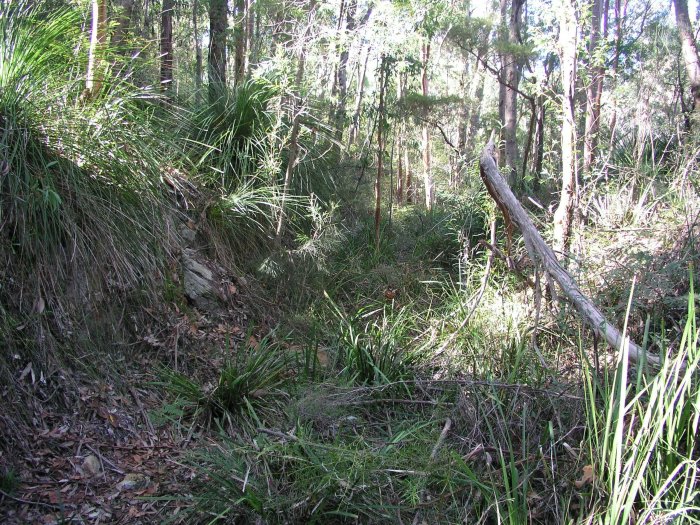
(239, 40)
(568, 30)
(596, 71)
(98, 42)
(690, 51)
(511, 67)
(166, 47)
(218, 27)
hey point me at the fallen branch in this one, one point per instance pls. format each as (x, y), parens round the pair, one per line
(542, 254)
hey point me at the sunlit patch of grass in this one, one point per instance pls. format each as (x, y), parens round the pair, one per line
(644, 438)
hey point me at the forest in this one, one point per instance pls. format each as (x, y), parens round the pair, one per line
(349, 261)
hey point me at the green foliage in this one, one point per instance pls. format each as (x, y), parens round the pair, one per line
(9, 482)
(372, 344)
(79, 184)
(247, 387)
(644, 441)
(231, 137)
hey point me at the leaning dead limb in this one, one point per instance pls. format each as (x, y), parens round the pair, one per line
(543, 255)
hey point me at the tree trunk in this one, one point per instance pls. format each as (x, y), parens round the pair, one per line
(380, 155)
(410, 197)
(400, 174)
(355, 125)
(567, 58)
(620, 14)
(503, 58)
(543, 256)
(123, 13)
(539, 142)
(98, 41)
(401, 128)
(510, 103)
(197, 52)
(249, 29)
(239, 38)
(342, 75)
(166, 48)
(690, 52)
(218, 25)
(427, 173)
(595, 89)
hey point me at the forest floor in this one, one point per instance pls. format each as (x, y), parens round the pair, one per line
(386, 407)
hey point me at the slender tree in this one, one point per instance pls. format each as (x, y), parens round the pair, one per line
(341, 80)
(512, 69)
(98, 40)
(380, 152)
(198, 67)
(690, 52)
(239, 41)
(425, 131)
(218, 26)
(166, 48)
(250, 29)
(567, 58)
(594, 90)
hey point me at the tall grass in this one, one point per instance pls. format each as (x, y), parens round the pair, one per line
(644, 442)
(80, 184)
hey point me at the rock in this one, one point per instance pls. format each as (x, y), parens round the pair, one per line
(133, 481)
(199, 281)
(91, 466)
(188, 235)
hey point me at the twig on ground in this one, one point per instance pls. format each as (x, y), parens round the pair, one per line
(28, 501)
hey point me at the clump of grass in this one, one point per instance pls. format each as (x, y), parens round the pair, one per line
(231, 136)
(80, 179)
(372, 345)
(644, 441)
(247, 388)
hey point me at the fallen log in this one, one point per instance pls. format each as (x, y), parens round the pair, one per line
(543, 255)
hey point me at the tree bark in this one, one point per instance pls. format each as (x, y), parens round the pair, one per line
(249, 30)
(166, 48)
(239, 38)
(342, 74)
(510, 103)
(690, 52)
(620, 13)
(218, 25)
(543, 256)
(98, 40)
(123, 13)
(567, 57)
(197, 52)
(594, 90)
(410, 192)
(427, 173)
(380, 155)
